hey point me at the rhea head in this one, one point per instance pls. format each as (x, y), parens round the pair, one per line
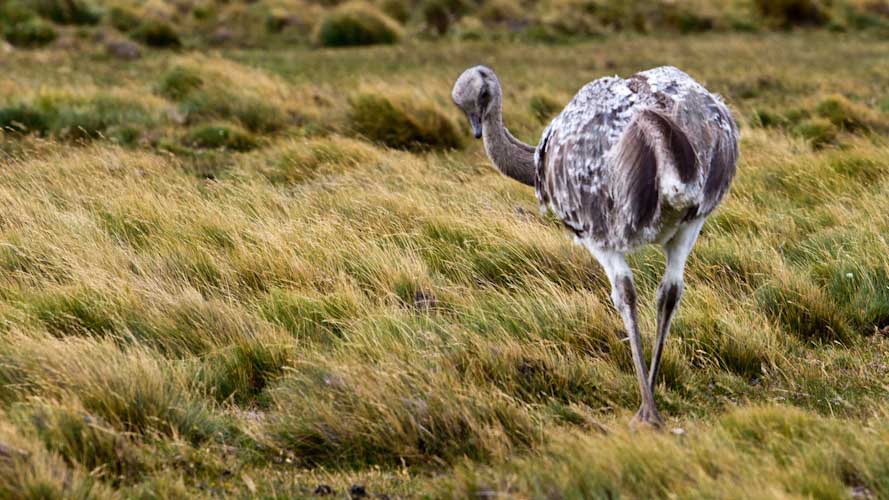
(474, 93)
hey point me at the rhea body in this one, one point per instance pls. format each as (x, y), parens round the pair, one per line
(628, 162)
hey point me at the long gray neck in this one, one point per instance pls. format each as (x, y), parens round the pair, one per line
(511, 156)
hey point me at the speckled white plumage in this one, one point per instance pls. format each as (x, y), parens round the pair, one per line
(578, 161)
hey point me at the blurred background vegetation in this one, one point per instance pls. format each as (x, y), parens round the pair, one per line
(266, 23)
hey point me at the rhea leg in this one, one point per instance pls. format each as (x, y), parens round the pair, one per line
(623, 294)
(670, 289)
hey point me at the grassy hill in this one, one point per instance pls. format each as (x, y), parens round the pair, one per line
(272, 270)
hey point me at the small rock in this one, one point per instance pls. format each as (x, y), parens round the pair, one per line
(485, 494)
(424, 301)
(679, 431)
(861, 493)
(335, 381)
(248, 482)
(357, 491)
(221, 36)
(176, 116)
(123, 49)
(323, 490)
(66, 43)
(294, 21)
(8, 452)
(417, 406)
(523, 212)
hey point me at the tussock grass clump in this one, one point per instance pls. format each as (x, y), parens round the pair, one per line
(820, 132)
(852, 270)
(123, 18)
(862, 169)
(504, 13)
(686, 20)
(23, 118)
(30, 470)
(400, 124)
(351, 413)
(399, 10)
(90, 117)
(79, 116)
(356, 23)
(84, 440)
(67, 11)
(848, 115)
(439, 15)
(544, 108)
(15, 11)
(788, 13)
(711, 337)
(567, 18)
(133, 391)
(157, 33)
(215, 88)
(774, 448)
(30, 33)
(220, 136)
(298, 161)
(241, 372)
(179, 82)
(322, 317)
(540, 373)
(802, 309)
(74, 312)
(822, 122)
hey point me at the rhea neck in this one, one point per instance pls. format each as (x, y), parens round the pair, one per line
(511, 156)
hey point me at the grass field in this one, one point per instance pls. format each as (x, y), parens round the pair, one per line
(216, 278)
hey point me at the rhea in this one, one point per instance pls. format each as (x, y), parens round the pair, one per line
(628, 162)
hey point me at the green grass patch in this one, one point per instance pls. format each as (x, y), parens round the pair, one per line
(820, 132)
(207, 89)
(788, 13)
(220, 136)
(74, 312)
(401, 126)
(179, 82)
(85, 440)
(324, 317)
(23, 118)
(30, 33)
(356, 23)
(157, 33)
(123, 18)
(67, 11)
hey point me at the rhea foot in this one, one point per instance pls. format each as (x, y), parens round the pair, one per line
(647, 417)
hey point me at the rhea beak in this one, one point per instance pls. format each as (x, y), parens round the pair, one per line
(476, 125)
